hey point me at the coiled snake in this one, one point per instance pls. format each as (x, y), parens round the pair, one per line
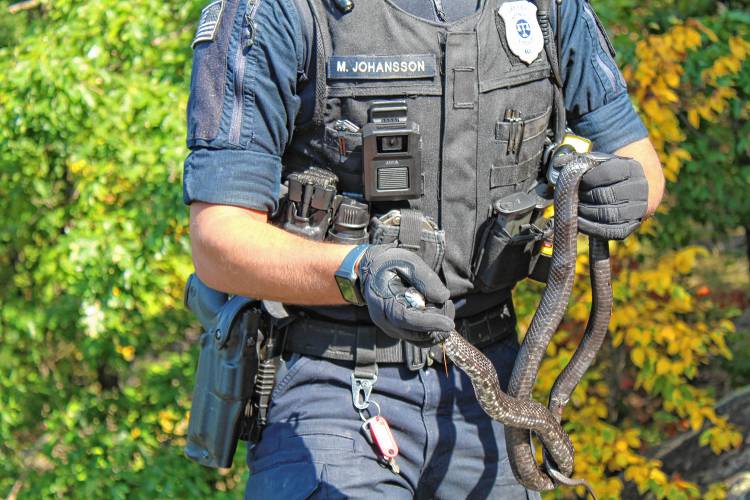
(520, 414)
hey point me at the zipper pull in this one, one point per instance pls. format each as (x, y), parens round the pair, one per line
(248, 38)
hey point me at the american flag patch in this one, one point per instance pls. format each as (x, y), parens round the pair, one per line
(209, 22)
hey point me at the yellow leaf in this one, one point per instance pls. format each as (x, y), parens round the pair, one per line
(670, 96)
(696, 421)
(662, 366)
(682, 154)
(710, 34)
(672, 79)
(658, 476)
(694, 118)
(685, 260)
(638, 355)
(693, 38)
(127, 352)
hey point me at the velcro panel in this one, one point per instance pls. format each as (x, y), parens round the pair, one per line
(464, 88)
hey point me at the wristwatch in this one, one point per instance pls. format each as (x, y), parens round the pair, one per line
(346, 276)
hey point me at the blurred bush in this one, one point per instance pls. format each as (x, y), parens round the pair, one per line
(97, 352)
(689, 77)
(96, 355)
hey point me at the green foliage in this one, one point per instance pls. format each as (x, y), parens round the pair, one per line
(96, 365)
(700, 110)
(712, 187)
(96, 351)
(689, 78)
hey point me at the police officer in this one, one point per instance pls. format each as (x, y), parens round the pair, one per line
(490, 89)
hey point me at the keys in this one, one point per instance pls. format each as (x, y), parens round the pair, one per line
(378, 433)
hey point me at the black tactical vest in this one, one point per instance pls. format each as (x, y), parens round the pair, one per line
(472, 153)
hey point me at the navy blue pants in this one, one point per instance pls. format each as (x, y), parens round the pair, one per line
(313, 447)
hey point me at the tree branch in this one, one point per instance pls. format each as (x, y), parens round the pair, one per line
(25, 5)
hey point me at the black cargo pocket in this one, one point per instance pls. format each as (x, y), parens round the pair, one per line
(502, 260)
(207, 80)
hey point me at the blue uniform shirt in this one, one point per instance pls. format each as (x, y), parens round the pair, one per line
(236, 160)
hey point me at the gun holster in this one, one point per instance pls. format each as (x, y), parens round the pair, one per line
(227, 367)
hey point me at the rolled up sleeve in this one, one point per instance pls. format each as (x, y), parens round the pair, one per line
(246, 179)
(612, 126)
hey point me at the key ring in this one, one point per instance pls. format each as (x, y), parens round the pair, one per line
(362, 412)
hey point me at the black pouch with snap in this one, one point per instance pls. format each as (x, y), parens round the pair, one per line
(412, 230)
(508, 244)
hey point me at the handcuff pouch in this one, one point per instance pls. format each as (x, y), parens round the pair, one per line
(509, 243)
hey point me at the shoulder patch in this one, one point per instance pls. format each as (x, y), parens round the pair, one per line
(522, 30)
(208, 23)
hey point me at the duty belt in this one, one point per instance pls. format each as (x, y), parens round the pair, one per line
(346, 341)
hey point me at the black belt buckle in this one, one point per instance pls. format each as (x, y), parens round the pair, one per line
(415, 357)
(478, 333)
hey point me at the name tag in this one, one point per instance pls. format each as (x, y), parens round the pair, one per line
(381, 67)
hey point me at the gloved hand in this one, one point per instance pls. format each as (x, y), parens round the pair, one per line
(613, 197)
(385, 274)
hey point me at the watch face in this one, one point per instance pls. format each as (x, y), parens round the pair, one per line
(346, 277)
(347, 289)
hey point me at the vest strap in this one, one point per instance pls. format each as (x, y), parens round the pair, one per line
(365, 367)
(410, 229)
(322, 49)
(364, 355)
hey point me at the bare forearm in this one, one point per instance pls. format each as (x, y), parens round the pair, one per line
(236, 251)
(644, 152)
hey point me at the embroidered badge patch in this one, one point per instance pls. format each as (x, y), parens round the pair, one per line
(522, 30)
(209, 22)
(381, 67)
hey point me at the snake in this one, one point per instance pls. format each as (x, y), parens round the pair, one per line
(516, 410)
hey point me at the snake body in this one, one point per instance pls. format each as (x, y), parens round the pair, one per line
(512, 412)
(520, 414)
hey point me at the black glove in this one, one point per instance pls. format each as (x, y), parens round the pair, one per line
(613, 197)
(385, 274)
